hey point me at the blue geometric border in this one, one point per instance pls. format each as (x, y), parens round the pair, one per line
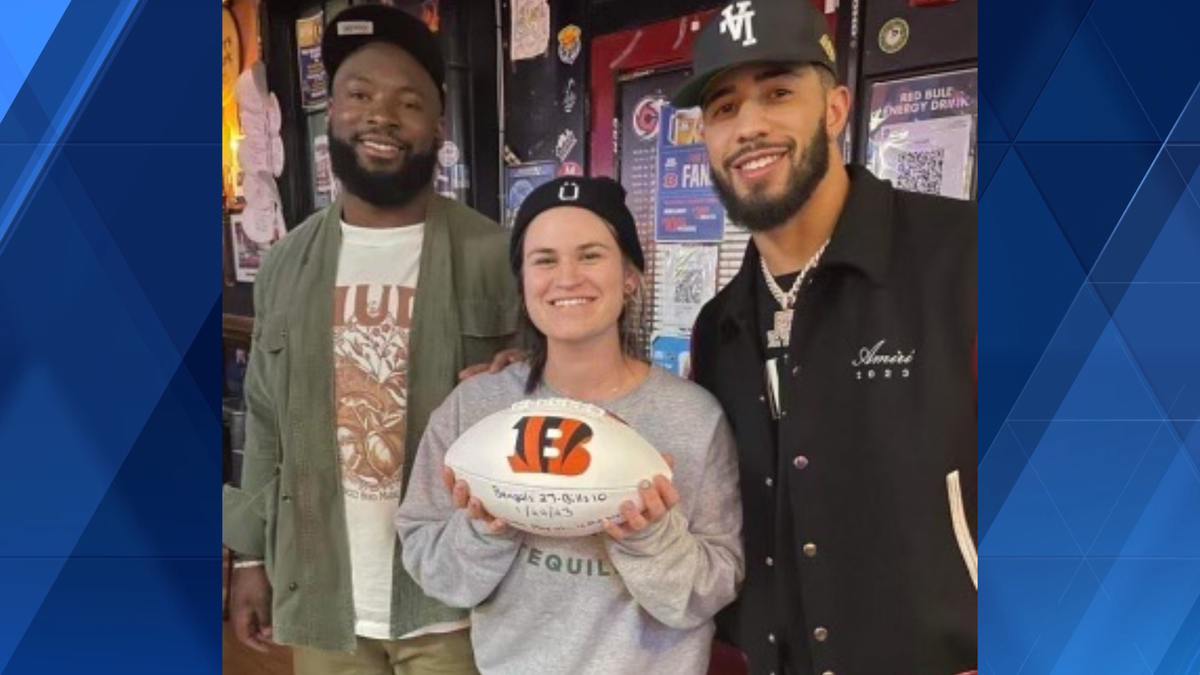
(1089, 357)
(109, 337)
(1089, 506)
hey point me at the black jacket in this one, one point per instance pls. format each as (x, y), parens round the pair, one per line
(854, 562)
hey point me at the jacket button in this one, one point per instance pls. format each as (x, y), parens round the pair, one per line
(800, 462)
(820, 633)
(795, 371)
(771, 638)
(770, 481)
(828, 672)
(287, 498)
(293, 586)
(770, 561)
(810, 550)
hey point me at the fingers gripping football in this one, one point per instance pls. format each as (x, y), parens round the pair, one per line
(460, 494)
(658, 497)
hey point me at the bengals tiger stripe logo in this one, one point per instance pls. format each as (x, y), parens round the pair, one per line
(553, 445)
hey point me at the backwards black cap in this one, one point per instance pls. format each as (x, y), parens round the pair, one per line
(750, 31)
(363, 24)
(602, 196)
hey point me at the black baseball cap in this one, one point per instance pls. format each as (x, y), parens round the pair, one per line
(363, 24)
(602, 196)
(752, 31)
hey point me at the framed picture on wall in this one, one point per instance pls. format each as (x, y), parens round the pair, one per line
(922, 133)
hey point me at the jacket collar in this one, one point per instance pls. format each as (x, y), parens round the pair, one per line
(862, 240)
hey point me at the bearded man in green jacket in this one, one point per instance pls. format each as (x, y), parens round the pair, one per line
(365, 314)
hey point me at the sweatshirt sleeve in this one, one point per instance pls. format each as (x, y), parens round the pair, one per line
(452, 557)
(683, 572)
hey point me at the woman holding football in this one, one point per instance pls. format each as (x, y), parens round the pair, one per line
(640, 596)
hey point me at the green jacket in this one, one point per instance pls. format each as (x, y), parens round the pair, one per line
(289, 509)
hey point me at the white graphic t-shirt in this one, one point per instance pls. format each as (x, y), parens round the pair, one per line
(372, 315)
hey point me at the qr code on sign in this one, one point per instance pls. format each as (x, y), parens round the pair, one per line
(920, 170)
(689, 286)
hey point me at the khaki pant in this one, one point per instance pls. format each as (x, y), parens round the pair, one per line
(440, 654)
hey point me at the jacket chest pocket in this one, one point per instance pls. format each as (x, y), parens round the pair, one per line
(270, 333)
(487, 326)
(270, 347)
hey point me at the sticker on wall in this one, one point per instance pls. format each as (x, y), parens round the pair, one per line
(530, 28)
(570, 169)
(893, 36)
(672, 354)
(569, 97)
(564, 146)
(521, 180)
(569, 44)
(645, 117)
(448, 154)
(428, 14)
(460, 179)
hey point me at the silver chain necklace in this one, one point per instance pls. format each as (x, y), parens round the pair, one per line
(781, 334)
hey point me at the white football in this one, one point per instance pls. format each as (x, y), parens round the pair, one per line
(554, 467)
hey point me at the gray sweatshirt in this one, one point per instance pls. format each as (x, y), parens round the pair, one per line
(588, 605)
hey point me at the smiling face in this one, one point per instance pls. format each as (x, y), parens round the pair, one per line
(767, 129)
(575, 277)
(384, 125)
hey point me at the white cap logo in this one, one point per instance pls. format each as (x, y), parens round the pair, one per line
(564, 196)
(356, 28)
(737, 22)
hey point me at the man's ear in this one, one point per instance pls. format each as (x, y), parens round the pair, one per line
(837, 110)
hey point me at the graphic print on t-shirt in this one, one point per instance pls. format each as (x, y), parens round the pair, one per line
(370, 348)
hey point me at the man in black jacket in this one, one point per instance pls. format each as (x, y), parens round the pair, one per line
(842, 353)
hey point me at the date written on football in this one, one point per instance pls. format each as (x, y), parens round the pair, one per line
(565, 498)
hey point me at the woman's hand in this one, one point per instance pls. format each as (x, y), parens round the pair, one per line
(658, 497)
(460, 493)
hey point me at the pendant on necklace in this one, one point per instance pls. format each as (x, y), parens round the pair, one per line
(781, 334)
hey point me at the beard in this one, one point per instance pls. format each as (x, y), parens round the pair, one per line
(386, 189)
(758, 212)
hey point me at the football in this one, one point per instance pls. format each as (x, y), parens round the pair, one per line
(554, 467)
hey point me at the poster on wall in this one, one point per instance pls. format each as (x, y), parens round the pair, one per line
(519, 181)
(641, 100)
(687, 208)
(312, 70)
(688, 279)
(922, 133)
(252, 234)
(671, 353)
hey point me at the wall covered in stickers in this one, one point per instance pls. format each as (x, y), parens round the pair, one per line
(545, 79)
(546, 87)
